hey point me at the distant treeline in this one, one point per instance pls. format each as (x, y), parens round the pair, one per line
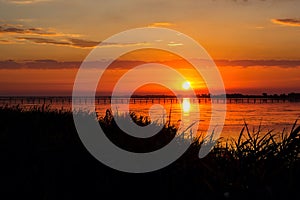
(291, 96)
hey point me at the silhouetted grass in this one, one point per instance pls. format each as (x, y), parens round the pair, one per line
(42, 157)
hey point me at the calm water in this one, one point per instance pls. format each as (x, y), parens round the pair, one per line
(275, 116)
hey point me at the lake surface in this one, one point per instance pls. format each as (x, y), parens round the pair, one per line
(271, 116)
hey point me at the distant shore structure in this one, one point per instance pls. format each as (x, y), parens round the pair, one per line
(151, 99)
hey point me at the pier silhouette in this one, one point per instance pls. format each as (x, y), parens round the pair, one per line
(151, 99)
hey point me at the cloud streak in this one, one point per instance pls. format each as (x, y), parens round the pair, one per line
(82, 43)
(263, 63)
(13, 29)
(72, 42)
(75, 42)
(25, 2)
(17, 34)
(3, 41)
(126, 64)
(287, 21)
(161, 24)
(39, 64)
(29, 31)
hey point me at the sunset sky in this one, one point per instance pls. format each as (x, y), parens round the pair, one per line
(254, 43)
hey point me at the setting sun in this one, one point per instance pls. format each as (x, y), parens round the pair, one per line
(186, 85)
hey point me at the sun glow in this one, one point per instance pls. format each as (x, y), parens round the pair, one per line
(186, 85)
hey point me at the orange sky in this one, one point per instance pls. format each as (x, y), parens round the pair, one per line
(255, 44)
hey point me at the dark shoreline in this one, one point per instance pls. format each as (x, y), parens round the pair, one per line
(42, 157)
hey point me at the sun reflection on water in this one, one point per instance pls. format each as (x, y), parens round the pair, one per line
(186, 105)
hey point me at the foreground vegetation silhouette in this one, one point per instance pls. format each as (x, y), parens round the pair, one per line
(42, 157)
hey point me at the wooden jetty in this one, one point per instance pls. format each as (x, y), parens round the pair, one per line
(38, 100)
